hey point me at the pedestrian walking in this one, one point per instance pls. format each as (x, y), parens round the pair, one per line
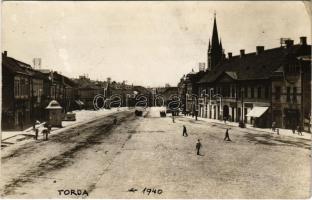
(198, 146)
(227, 136)
(273, 126)
(299, 129)
(36, 133)
(293, 128)
(45, 133)
(34, 125)
(184, 131)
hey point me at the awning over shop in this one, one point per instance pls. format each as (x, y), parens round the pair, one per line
(257, 111)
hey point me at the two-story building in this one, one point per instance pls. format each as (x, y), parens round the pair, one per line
(16, 93)
(260, 87)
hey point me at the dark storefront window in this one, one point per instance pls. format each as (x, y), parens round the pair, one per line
(252, 93)
(266, 92)
(246, 92)
(259, 92)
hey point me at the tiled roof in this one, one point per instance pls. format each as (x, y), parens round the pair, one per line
(252, 66)
(15, 66)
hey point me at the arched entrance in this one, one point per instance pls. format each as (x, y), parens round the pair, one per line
(226, 112)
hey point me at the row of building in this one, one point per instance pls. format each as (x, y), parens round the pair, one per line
(259, 88)
(27, 90)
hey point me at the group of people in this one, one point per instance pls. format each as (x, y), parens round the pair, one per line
(45, 131)
(293, 128)
(299, 130)
(199, 145)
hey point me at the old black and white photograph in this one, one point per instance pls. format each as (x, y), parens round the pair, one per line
(155, 100)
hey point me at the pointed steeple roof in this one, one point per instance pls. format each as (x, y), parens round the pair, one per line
(209, 45)
(215, 37)
(220, 44)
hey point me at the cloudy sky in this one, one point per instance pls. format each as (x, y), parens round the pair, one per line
(147, 43)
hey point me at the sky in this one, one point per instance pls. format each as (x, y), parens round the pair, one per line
(144, 43)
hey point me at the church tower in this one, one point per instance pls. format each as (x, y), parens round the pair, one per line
(215, 51)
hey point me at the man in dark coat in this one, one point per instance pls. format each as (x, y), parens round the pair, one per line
(198, 146)
(299, 129)
(227, 136)
(184, 131)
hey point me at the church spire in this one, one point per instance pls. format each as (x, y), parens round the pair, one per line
(215, 51)
(220, 44)
(215, 37)
(209, 45)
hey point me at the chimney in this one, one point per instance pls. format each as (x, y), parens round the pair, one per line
(303, 40)
(201, 67)
(5, 53)
(289, 43)
(37, 63)
(242, 52)
(230, 55)
(259, 49)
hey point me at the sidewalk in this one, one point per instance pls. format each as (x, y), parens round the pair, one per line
(285, 132)
(11, 137)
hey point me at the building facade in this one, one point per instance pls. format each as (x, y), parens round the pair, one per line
(258, 88)
(26, 92)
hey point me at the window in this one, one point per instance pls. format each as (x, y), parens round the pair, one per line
(266, 92)
(294, 94)
(259, 92)
(252, 92)
(288, 94)
(233, 91)
(16, 87)
(52, 92)
(21, 87)
(246, 92)
(277, 93)
(292, 68)
(226, 91)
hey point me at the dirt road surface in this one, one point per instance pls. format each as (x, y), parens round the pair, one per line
(147, 157)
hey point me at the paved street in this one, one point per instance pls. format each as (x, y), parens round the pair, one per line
(150, 152)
